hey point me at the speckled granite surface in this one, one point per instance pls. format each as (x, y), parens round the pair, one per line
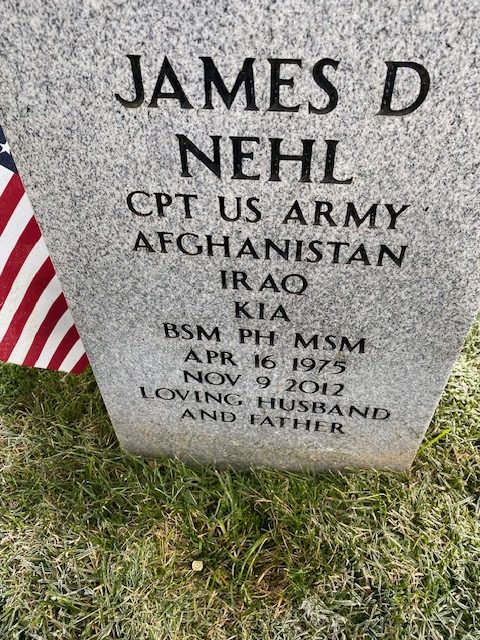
(387, 328)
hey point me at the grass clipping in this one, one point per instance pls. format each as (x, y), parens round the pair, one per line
(96, 544)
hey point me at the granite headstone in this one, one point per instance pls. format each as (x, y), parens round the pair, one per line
(264, 214)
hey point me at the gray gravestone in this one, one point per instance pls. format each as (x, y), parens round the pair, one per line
(264, 215)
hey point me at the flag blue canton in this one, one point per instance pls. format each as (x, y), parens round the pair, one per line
(6, 159)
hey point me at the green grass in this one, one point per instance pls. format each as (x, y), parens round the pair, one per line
(96, 544)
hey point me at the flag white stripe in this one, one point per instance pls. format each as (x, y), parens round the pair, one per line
(15, 226)
(54, 339)
(5, 176)
(42, 307)
(32, 264)
(74, 355)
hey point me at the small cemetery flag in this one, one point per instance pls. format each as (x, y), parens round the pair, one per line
(36, 326)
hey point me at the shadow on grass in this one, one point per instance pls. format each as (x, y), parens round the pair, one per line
(77, 510)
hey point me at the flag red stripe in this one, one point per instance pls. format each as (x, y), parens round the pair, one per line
(35, 289)
(26, 242)
(81, 365)
(9, 199)
(63, 349)
(45, 330)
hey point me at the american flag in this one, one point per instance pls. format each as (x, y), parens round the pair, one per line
(36, 326)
